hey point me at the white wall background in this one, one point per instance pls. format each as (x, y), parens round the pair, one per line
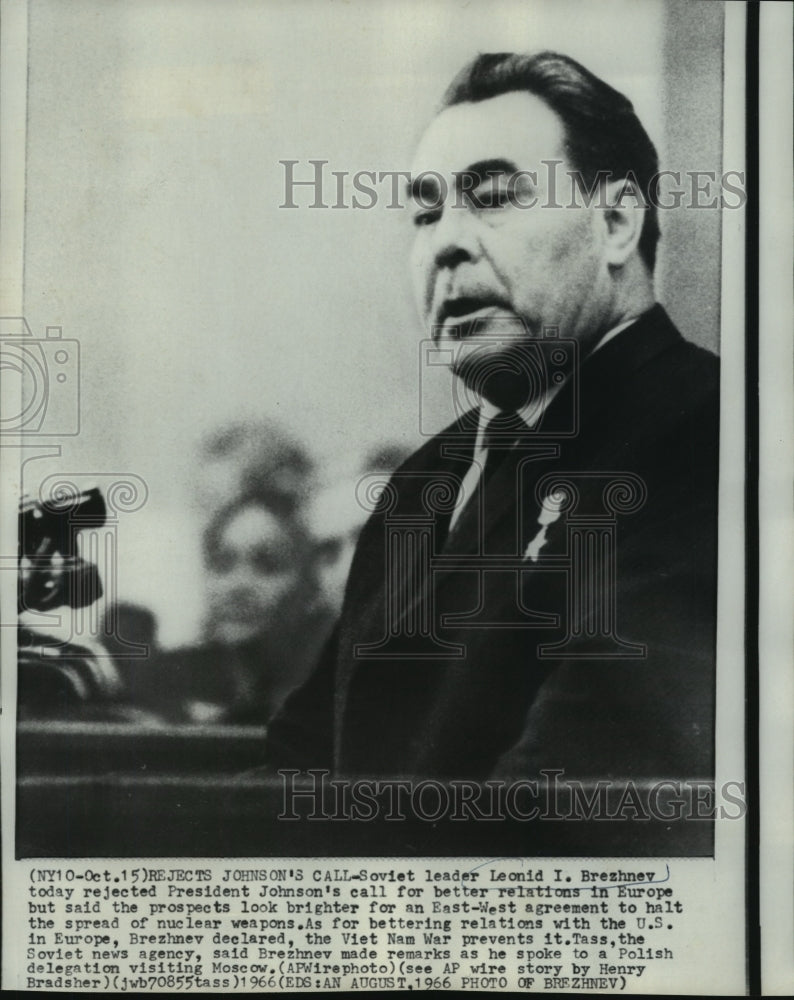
(153, 232)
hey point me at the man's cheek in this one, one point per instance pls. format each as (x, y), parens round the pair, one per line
(423, 289)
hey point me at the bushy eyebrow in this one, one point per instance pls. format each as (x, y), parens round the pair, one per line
(483, 169)
(425, 186)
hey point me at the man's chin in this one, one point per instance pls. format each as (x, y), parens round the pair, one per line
(510, 378)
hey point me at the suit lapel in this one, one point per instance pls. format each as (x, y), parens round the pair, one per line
(441, 469)
(497, 521)
(510, 506)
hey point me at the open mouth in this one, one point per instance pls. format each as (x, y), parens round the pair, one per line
(459, 317)
(465, 306)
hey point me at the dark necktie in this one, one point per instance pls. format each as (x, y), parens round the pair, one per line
(498, 439)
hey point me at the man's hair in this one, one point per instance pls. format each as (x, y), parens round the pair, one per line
(602, 132)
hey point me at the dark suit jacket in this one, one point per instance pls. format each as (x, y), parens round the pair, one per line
(443, 663)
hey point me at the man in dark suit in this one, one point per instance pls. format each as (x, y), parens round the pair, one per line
(536, 588)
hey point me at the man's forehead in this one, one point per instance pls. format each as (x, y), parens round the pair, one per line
(252, 519)
(517, 126)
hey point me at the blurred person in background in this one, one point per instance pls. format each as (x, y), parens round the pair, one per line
(260, 591)
(263, 622)
(262, 625)
(263, 619)
(246, 455)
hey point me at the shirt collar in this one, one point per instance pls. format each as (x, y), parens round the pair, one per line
(614, 332)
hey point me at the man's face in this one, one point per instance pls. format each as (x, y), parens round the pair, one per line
(250, 575)
(488, 271)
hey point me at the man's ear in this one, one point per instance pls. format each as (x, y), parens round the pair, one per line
(624, 217)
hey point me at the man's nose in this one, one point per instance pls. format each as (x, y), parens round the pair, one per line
(454, 239)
